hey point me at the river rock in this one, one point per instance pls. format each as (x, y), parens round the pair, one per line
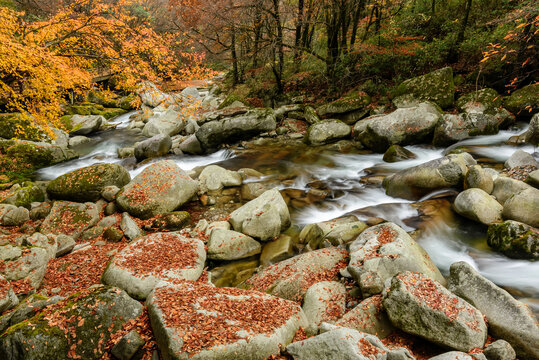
(172, 221)
(290, 279)
(508, 319)
(524, 102)
(514, 239)
(398, 153)
(421, 306)
(456, 127)
(533, 179)
(368, 317)
(191, 145)
(477, 205)
(520, 158)
(150, 95)
(324, 302)
(203, 322)
(532, 135)
(155, 258)
(310, 114)
(87, 184)
(221, 129)
(523, 207)
(477, 177)
(24, 196)
(484, 100)
(156, 146)
(385, 250)
(277, 250)
(8, 300)
(423, 179)
(37, 154)
(26, 309)
(129, 227)
(327, 131)
(91, 316)
(505, 187)
(333, 232)
(403, 127)
(65, 245)
(169, 123)
(436, 86)
(262, 218)
(160, 188)
(21, 262)
(453, 355)
(231, 245)
(127, 347)
(70, 218)
(500, 350)
(349, 109)
(11, 215)
(78, 140)
(86, 124)
(283, 111)
(215, 178)
(342, 344)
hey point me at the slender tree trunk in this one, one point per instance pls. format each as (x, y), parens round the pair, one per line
(464, 24)
(433, 7)
(235, 72)
(278, 68)
(299, 27)
(355, 21)
(258, 34)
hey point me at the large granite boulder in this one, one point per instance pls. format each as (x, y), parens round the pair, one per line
(514, 239)
(349, 109)
(215, 178)
(78, 327)
(368, 317)
(477, 205)
(423, 179)
(523, 102)
(327, 131)
(456, 127)
(160, 188)
(219, 128)
(231, 245)
(37, 154)
(202, 322)
(11, 215)
(290, 279)
(88, 183)
(421, 306)
(155, 258)
(262, 218)
(404, 126)
(324, 302)
(70, 218)
(437, 86)
(86, 124)
(508, 319)
(156, 146)
(523, 207)
(169, 122)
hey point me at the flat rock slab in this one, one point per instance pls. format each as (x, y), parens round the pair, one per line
(70, 218)
(198, 321)
(420, 306)
(290, 279)
(154, 258)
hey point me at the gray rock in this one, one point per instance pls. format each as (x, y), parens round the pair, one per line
(222, 129)
(262, 218)
(26, 309)
(70, 218)
(214, 318)
(40, 211)
(190, 92)
(398, 153)
(453, 355)
(65, 244)
(8, 299)
(95, 317)
(403, 126)
(477, 205)
(456, 127)
(437, 86)
(290, 279)
(129, 227)
(533, 179)
(11, 215)
(505, 187)
(523, 207)
(514, 239)
(78, 140)
(324, 302)
(86, 124)
(134, 271)
(109, 192)
(215, 178)
(421, 306)
(167, 123)
(477, 177)
(156, 146)
(500, 350)
(253, 190)
(532, 135)
(108, 221)
(160, 188)
(126, 152)
(128, 345)
(508, 319)
(310, 115)
(327, 131)
(520, 158)
(480, 101)
(24, 196)
(385, 250)
(191, 145)
(368, 317)
(423, 179)
(335, 232)
(231, 245)
(30, 263)
(150, 95)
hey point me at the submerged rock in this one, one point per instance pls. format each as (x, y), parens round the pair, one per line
(159, 257)
(87, 184)
(203, 322)
(508, 319)
(421, 306)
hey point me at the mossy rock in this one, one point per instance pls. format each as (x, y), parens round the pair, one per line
(70, 218)
(84, 324)
(34, 155)
(10, 122)
(176, 220)
(230, 99)
(347, 104)
(25, 196)
(398, 153)
(514, 239)
(488, 98)
(437, 86)
(128, 102)
(524, 102)
(95, 109)
(88, 183)
(104, 98)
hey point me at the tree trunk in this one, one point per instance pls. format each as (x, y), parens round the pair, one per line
(235, 74)
(462, 31)
(299, 27)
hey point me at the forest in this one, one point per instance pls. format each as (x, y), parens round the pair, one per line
(269, 179)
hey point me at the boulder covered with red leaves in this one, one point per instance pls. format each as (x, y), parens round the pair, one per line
(202, 322)
(70, 218)
(8, 298)
(160, 188)
(383, 251)
(421, 306)
(88, 183)
(159, 257)
(324, 302)
(368, 317)
(262, 218)
(290, 279)
(78, 327)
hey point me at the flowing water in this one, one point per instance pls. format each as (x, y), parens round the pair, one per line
(446, 236)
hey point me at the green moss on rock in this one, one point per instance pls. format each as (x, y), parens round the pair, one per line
(437, 86)
(524, 102)
(514, 239)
